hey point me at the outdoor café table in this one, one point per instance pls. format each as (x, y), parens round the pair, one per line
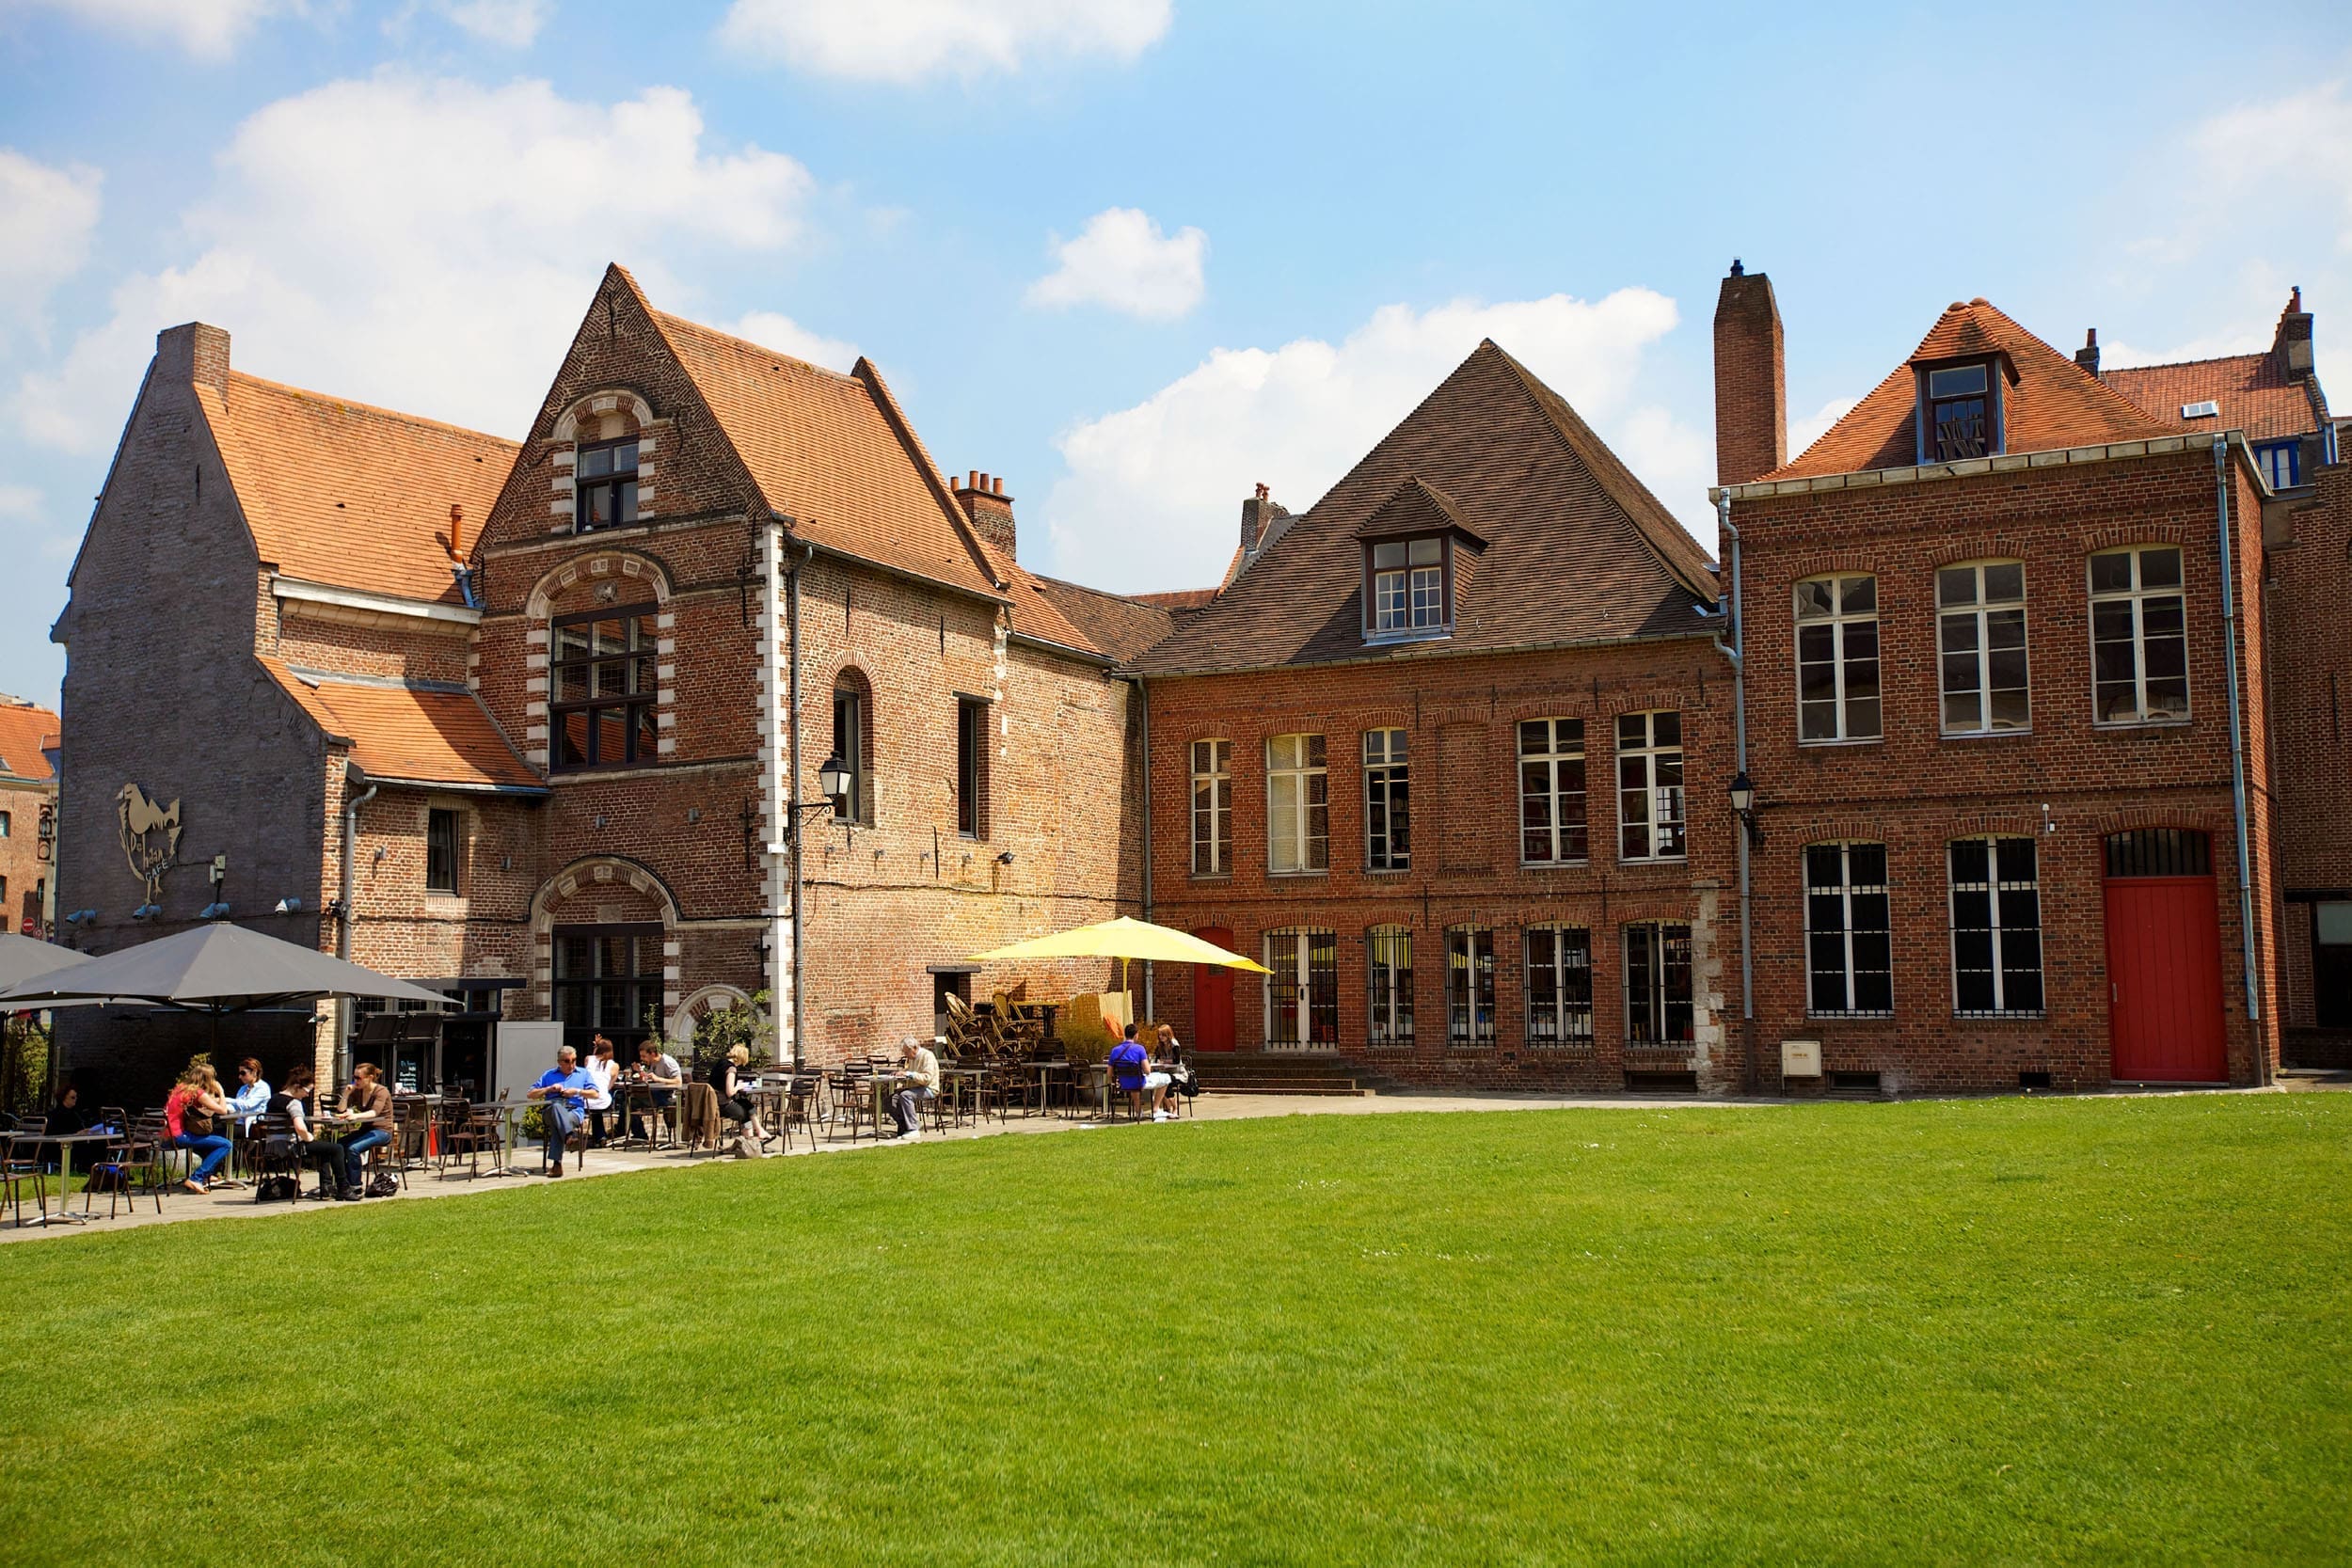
(509, 1113)
(66, 1144)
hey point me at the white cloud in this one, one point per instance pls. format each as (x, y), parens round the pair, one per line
(46, 216)
(786, 336)
(1152, 497)
(207, 28)
(905, 41)
(1123, 262)
(512, 23)
(1806, 430)
(446, 282)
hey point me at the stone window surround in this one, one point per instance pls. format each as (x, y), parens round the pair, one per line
(589, 873)
(611, 411)
(538, 620)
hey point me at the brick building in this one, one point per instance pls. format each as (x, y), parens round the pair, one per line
(28, 795)
(529, 720)
(1426, 755)
(2009, 717)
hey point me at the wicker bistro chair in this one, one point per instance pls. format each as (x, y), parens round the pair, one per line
(20, 1166)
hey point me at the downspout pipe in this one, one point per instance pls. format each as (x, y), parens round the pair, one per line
(791, 791)
(352, 803)
(2237, 755)
(1737, 653)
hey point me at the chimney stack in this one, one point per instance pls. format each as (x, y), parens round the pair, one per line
(2293, 343)
(983, 499)
(2088, 356)
(193, 354)
(1751, 379)
(457, 533)
(1256, 516)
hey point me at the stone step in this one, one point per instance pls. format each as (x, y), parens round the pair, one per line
(1340, 1087)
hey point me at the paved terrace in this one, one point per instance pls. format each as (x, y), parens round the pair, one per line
(180, 1206)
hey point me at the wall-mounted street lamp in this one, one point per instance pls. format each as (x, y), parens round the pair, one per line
(1743, 806)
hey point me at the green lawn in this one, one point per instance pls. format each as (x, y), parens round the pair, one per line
(1994, 1331)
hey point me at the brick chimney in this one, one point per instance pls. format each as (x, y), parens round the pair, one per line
(2088, 356)
(990, 509)
(1751, 379)
(2292, 345)
(194, 353)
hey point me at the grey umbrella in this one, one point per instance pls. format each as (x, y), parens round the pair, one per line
(24, 958)
(215, 969)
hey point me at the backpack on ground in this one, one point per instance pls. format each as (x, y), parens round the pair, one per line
(383, 1185)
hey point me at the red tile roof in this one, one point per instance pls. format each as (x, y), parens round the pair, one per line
(1579, 550)
(836, 455)
(345, 494)
(1181, 598)
(404, 733)
(2050, 403)
(24, 729)
(2255, 395)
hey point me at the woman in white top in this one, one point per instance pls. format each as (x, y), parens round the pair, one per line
(603, 1068)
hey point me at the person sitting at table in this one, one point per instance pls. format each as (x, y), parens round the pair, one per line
(657, 1069)
(65, 1113)
(917, 1080)
(564, 1088)
(188, 1113)
(366, 1097)
(252, 1095)
(1131, 1066)
(293, 1102)
(603, 1069)
(734, 1104)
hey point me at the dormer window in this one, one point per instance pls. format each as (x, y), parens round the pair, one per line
(1409, 585)
(605, 483)
(1960, 412)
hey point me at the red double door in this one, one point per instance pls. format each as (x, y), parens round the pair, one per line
(2163, 960)
(1213, 996)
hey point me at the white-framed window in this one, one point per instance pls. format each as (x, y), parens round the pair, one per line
(1558, 986)
(1212, 807)
(1651, 824)
(1409, 585)
(604, 484)
(1388, 806)
(1470, 986)
(1388, 971)
(1551, 792)
(1657, 1001)
(1298, 804)
(2139, 635)
(1837, 658)
(1848, 948)
(1980, 642)
(1997, 928)
(1302, 988)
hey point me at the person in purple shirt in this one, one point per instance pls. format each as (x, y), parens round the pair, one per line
(564, 1087)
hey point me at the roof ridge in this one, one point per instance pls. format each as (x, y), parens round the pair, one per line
(869, 375)
(405, 418)
(2185, 364)
(668, 318)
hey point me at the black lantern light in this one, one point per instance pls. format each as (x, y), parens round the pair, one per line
(1743, 805)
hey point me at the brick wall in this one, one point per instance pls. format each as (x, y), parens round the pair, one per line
(1460, 715)
(23, 872)
(1913, 789)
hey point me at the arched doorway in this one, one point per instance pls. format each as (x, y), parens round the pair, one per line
(2164, 959)
(1213, 996)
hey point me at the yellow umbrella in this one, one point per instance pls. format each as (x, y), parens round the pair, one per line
(1123, 938)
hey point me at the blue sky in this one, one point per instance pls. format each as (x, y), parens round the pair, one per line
(1132, 255)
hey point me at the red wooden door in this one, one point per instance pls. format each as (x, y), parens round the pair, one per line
(1213, 996)
(2164, 975)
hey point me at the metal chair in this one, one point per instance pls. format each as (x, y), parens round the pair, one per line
(20, 1166)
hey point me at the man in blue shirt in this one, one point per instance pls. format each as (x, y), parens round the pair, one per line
(564, 1088)
(1130, 1069)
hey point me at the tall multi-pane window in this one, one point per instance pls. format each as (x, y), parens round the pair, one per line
(440, 850)
(1409, 585)
(1848, 954)
(1838, 658)
(1388, 809)
(1470, 986)
(850, 739)
(1981, 639)
(1558, 986)
(1302, 988)
(1297, 796)
(1551, 791)
(1658, 1009)
(1649, 786)
(604, 485)
(607, 981)
(2139, 635)
(603, 689)
(1389, 1001)
(1212, 807)
(971, 768)
(1997, 928)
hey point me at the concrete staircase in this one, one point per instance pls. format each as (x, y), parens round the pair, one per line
(1277, 1073)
